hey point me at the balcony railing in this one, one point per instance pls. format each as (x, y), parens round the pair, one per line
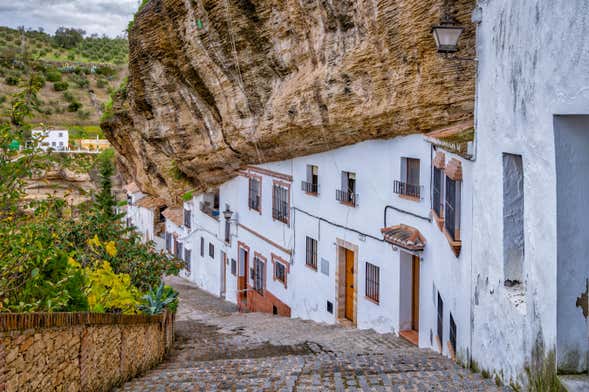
(309, 187)
(208, 210)
(402, 188)
(346, 197)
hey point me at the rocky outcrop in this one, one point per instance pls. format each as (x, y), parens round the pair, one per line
(218, 84)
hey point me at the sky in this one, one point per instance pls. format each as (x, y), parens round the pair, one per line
(108, 17)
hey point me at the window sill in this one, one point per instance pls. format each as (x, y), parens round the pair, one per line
(439, 221)
(371, 300)
(411, 198)
(314, 194)
(455, 245)
(348, 204)
(311, 267)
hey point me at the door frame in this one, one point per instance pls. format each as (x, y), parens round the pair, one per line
(242, 295)
(340, 281)
(415, 284)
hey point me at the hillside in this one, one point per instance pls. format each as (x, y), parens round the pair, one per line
(78, 76)
(214, 85)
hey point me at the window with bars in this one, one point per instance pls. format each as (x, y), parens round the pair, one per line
(187, 216)
(202, 247)
(311, 254)
(311, 185)
(259, 266)
(280, 203)
(169, 242)
(255, 194)
(347, 193)
(452, 211)
(280, 272)
(452, 333)
(372, 282)
(187, 259)
(437, 192)
(179, 254)
(211, 250)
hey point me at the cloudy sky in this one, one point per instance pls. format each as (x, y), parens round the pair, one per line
(95, 16)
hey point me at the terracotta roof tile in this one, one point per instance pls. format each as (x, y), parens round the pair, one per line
(175, 215)
(404, 236)
(151, 202)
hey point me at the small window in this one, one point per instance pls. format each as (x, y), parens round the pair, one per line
(437, 192)
(372, 282)
(311, 185)
(347, 193)
(259, 275)
(329, 307)
(280, 203)
(452, 334)
(168, 242)
(233, 267)
(311, 253)
(187, 216)
(409, 185)
(211, 250)
(178, 253)
(452, 208)
(255, 194)
(162, 218)
(60, 134)
(187, 259)
(325, 266)
(280, 272)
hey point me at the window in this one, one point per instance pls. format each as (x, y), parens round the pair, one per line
(280, 203)
(409, 186)
(513, 219)
(202, 247)
(255, 193)
(233, 267)
(169, 242)
(452, 334)
(187, 216)
(311, 185)
(280, 272)
(347, 193)
(258, 275)
(162, 218)
(53, 144)
(311, 254)
(452, 210)
(372, 282)
(211, 250)
(437, 192)
(178, 253)
(440, 318)
(187, 259)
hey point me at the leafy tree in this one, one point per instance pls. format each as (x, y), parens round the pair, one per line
(68, 38)
(105, 200)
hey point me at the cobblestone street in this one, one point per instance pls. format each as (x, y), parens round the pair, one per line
(219, 349)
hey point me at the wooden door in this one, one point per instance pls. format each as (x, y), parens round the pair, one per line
(350, 289)
(242, 274)
(415, 294)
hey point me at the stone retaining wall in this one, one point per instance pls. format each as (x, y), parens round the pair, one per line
(79, 351)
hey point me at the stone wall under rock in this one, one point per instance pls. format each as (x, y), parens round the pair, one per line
(79, 351)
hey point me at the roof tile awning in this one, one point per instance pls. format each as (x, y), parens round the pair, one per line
(405, 237)
(454, 138)
(175, 215)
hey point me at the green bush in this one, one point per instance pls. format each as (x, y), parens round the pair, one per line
(69, 97)
(101, 83)
(74, 106)
(53, 76)
(12, 80)
(156, 301)
(60, 86)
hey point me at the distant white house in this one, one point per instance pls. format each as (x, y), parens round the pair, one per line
(57, 139)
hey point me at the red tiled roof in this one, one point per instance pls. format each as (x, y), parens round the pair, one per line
(404, 236)
(175, 215)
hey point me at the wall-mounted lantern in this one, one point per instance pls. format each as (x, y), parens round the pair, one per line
(446, 35)
(227, 214)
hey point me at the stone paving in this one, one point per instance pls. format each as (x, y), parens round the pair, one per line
(219, 349)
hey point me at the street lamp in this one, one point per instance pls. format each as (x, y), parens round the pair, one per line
(227, 214)
(446, 35)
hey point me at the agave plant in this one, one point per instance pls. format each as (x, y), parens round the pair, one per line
(155, 301)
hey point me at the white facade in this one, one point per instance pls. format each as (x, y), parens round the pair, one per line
(57, 140)
(336, 226)
(532, 101)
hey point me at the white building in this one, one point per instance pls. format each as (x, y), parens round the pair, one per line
(345, 236)
(145, 213)
(531, 187)
(56, 140)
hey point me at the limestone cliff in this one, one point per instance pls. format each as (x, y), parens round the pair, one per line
(218, 84)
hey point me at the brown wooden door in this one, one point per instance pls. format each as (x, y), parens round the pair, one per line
(242, 274)
(350, 289)
(415, 295)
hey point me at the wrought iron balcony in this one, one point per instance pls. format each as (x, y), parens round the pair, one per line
(346, 197)
(309, 187)
(402, 188)
(208, 210)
